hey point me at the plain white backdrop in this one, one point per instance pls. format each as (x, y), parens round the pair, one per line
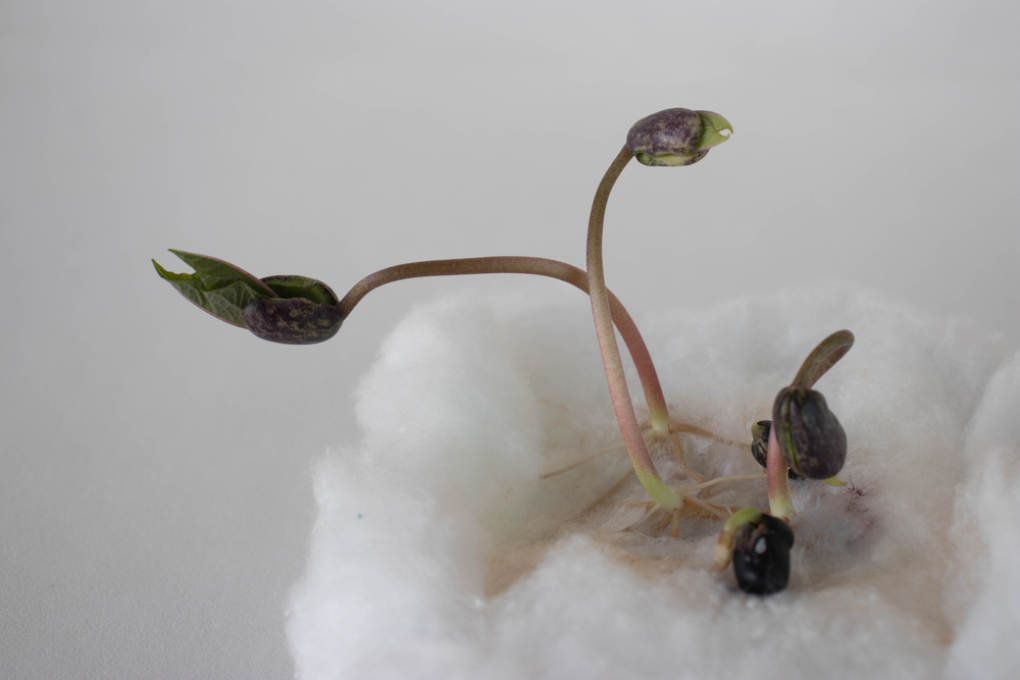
(155, 487)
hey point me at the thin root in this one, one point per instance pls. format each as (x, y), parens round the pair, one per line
(719, 480)
(692, 429)
(650, 436)
(720, 511)
(691, 503)
(674, 525)
(614, 489)
(581, 462)
(674, 442)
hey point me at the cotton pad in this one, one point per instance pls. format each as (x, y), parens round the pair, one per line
(439, 550)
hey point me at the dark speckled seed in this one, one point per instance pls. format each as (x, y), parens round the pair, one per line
(673, 131)
(810, 436)
(294, 321)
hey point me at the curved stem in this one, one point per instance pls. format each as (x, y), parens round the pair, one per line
(649, 477)
(525, 265)
(822, 358)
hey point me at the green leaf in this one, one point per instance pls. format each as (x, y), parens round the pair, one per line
(288, 286)
(715, 130)
(218, 287)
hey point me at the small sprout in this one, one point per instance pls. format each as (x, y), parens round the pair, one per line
(761, 556)
(677, 137)
(294, 310)
(810, 437)
(760, 445)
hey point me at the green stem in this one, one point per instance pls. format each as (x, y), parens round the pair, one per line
(649, 477)
(526, 265)
(724, 547)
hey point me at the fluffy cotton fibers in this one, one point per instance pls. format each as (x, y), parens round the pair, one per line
(439, 552)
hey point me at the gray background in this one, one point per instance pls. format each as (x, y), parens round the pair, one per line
(155, 499)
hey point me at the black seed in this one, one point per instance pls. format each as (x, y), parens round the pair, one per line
(761, 556)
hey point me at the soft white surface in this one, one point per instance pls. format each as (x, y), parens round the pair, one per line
(988, 516)
(914, 573)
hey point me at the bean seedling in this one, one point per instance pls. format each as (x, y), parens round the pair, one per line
(803, 439)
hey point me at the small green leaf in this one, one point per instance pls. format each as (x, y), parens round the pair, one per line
(218, 287)
(714, 130)
(289, 286)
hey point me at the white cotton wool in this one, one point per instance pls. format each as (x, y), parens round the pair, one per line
(466, 402)
(987, 536)
(439, 552)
